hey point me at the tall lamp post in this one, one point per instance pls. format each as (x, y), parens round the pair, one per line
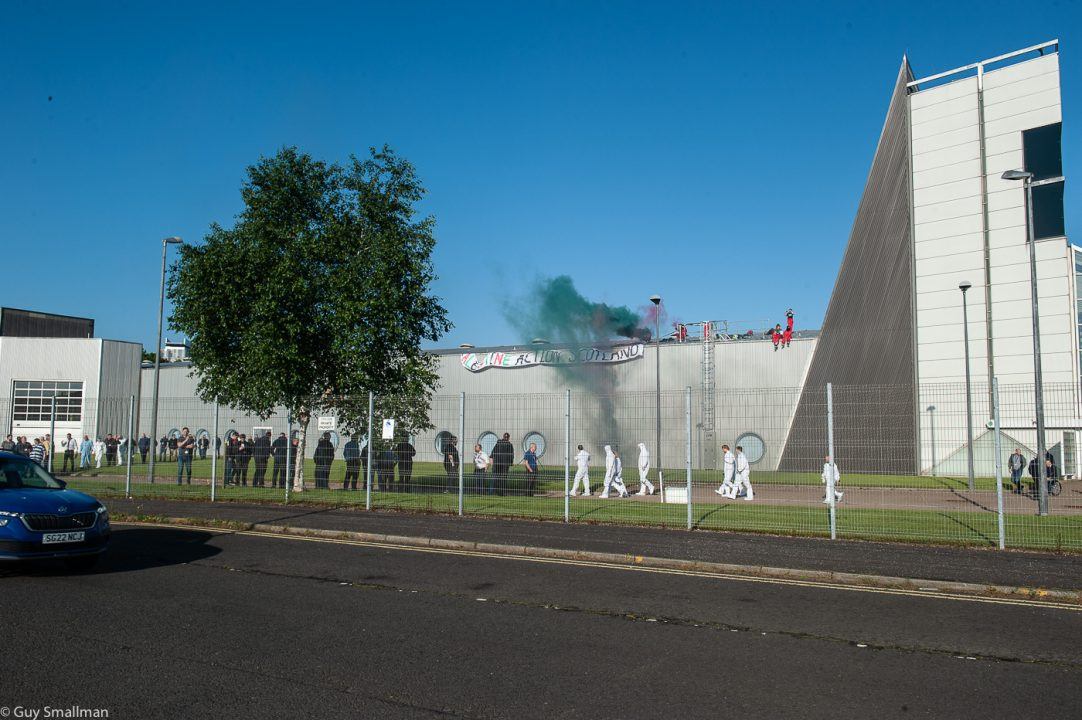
(963, 286)
(166, 242)
(656, 300)
(931, 419)
(1038, 382)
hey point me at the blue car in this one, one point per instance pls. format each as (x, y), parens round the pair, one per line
(41, 519)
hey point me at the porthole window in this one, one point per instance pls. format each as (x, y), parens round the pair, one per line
(487, 441)
(230, 434)
(334, 438)
(754, 447)
(534, 437)
(442, 438)
(201, 433)
(174, 433)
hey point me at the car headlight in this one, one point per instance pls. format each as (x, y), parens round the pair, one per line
(103, 515)
(3, 521)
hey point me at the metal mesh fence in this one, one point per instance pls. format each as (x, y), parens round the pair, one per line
(902, 473)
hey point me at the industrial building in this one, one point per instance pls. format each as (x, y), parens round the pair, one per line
(935, 212)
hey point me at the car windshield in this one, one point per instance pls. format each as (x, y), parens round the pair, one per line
(16, 474)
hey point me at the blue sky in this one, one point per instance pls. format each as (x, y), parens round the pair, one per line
(712, 154)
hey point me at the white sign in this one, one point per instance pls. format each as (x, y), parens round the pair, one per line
(388, 429)
(476, 362)
(326, 422)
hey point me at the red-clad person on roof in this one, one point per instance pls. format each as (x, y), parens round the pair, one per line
(787, 336)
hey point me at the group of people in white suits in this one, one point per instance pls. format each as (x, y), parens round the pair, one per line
(736, 483)
(614, 473)
(737, 478)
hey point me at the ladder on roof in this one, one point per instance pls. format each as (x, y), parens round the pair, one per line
(709, 398)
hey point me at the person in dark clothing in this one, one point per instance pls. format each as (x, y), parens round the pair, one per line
(351, 453)
(503, 457)
(323, 458)
(385, 467)
(278, 451)
(217, 446)
(261, 450)
(529, 460)
(111, 445)
(204, 443)
(243, 459)
(451, 461)
(404, 452)
(230, 460)
(172, 448)
(163, 447)
(144, 448)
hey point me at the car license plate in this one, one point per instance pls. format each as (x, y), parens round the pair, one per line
(65, 537)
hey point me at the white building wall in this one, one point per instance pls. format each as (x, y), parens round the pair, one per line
(948, 237)
(65, 359)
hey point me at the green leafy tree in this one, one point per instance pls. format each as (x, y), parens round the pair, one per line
(318, 294)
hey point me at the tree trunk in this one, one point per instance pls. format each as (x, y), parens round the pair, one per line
(303, 417)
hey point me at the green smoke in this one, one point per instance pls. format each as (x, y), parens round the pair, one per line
(556, 311)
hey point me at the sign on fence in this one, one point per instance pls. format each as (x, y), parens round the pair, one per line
(326, 422)
(388, 428)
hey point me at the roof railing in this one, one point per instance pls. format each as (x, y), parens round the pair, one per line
(1040, 49)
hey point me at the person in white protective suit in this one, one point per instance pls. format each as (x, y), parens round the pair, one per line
(582, 473)
(830, 468)
(645, 486)
(728, 489)
(743, 475)
(99, 452)
(613, 470)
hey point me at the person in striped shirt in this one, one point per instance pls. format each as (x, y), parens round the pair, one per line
(37, 452)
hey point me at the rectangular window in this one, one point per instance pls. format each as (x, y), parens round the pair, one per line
(1041, 148)
(31, 400)
(1048, 211)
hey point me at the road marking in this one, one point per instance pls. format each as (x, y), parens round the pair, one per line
(917, 593)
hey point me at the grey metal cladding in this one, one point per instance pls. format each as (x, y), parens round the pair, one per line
(867, 334)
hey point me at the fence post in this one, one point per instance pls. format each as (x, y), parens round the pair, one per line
(461, 452)
(567, 458)
(832, 470)
(687, 461)
(214, 455)
(368, 449)
(289, 453)
(999, 464)
(131, 445)
(52, 430)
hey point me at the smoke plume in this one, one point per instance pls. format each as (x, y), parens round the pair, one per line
(556, 311)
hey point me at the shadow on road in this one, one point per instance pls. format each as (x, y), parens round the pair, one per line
(132, 550)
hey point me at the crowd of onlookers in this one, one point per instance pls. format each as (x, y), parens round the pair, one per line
(77, 454)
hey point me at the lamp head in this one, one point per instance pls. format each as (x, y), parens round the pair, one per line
(931, 408)
(1016, 175)
(965, 285)
(655, 299)
(172, 241)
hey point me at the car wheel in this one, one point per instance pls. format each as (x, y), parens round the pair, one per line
(84, 562)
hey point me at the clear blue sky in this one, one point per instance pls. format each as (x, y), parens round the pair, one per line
(712, 155)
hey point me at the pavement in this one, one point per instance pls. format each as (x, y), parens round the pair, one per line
(189, 623)
(929, 562)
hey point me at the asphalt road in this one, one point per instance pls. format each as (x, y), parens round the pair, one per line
(190, 623)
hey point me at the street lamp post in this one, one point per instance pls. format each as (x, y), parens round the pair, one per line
(931, 419)
(1038, 382)
(963, 286)
(656, 300)
(166, 242)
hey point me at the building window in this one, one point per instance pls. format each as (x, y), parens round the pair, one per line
(754, 447)
(1048, 211)
(31, 401)
(1042, 151)
(534, 437)
(442, 438)
(487, 441)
